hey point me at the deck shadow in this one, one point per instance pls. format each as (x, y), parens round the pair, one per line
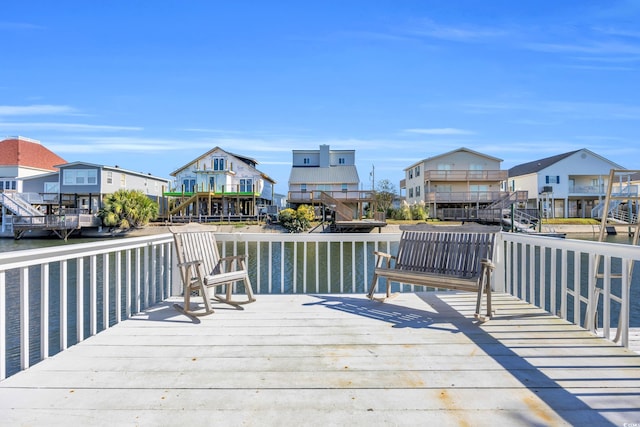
(563, 402)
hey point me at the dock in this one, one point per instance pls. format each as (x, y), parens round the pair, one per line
(321, 360)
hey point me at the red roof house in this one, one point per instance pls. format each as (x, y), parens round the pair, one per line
(21, 152)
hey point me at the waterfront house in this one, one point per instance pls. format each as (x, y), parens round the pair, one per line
(84, 185)
(328, 177)
(219, 183)
(458, 179)
(22, 157)
(567, 185)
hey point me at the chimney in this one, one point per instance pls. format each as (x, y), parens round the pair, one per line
(324, 156)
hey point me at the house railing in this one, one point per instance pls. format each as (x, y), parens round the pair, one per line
(316, 195)
(465, 175)
(63, 287)
(54, 297)
(464, 196)
(559, 275)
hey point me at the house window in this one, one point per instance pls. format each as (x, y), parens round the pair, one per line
(246, 185)
(411, 192)
(218, 164)
(109, 177)
(51, 187)
(417, 170)
(188, 184)
(418, 191)
(80, 176)
(344, 188)
(410, 173)
(123, 180)
(341, 161)
(303, 188)
(551, 179)
(306, 160)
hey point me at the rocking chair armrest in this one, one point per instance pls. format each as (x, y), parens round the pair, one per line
(190, 263)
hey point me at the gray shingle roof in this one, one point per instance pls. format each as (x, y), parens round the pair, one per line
(538, 165)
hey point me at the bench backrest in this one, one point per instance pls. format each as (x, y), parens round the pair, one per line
(450, 253)
(197, 246)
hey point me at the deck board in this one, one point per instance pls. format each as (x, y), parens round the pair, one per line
(333, 360)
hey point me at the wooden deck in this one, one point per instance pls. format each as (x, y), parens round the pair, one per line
(294, 360)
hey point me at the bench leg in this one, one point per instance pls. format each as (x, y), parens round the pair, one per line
(484, 287)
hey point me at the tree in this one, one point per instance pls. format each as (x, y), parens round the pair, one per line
(385, 194)
(127, 209)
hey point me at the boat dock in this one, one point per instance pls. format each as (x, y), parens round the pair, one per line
(337, 359)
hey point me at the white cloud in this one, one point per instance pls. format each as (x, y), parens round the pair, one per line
(428, 28)
(68, 127)
(440, 131)
(38, 109)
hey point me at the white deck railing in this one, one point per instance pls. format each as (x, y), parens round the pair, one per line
(584, 282)
(140, 272)
(136, 271)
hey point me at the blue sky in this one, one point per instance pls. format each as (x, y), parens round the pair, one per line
(150, 86)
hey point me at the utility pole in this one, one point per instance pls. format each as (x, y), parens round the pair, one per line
(373, 177)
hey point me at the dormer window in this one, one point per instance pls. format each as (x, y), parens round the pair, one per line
(306, 161)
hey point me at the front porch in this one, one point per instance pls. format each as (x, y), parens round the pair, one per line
(336, 359)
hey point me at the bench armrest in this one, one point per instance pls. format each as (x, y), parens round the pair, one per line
(487, 263)
(382, 257)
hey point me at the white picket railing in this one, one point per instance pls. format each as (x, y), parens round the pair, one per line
(140, 272)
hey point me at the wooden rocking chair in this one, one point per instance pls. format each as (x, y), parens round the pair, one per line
(201, 269)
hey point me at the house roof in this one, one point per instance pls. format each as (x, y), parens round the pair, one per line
(113, 168)
(538, 165)
(330, 175)
(477, 153)
(248, 160)
(245, 159)
(25, 152)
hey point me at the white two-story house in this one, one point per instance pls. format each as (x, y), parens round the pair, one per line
(567, 185)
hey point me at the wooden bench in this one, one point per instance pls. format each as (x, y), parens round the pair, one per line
(443, 260)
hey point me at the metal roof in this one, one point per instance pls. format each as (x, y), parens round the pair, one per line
(331, 175)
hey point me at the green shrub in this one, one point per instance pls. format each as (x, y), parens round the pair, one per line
(297, 221)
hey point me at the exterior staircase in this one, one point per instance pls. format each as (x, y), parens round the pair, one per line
(17, 205)
(341, 211)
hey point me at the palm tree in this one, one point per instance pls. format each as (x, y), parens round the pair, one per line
(127, 208)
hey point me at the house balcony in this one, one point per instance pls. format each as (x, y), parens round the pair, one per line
(465, 175)
(601, 190)
(483, 197)
(313, 347)
(345, 196)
